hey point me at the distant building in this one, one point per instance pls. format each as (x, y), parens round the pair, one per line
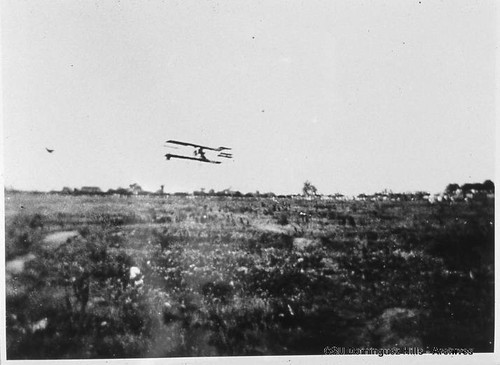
(90, 190)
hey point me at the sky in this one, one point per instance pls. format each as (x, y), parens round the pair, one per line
(354, 96)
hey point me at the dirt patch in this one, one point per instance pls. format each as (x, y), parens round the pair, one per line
(56, 239)
(16, 266)
(301, 243)
(288, 229)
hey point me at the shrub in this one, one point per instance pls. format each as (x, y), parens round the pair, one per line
(283, 219)
(22, 232)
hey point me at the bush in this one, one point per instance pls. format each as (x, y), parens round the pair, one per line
(22, 233)
(283, 219)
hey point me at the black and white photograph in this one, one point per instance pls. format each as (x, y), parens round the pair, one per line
(279, 181)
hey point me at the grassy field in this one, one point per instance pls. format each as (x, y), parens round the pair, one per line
(243, 276)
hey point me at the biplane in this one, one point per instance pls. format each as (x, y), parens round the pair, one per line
(199, 153)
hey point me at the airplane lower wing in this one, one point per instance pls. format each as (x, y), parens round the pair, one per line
(169, 156)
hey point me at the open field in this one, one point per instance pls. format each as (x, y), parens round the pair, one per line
(243, 276)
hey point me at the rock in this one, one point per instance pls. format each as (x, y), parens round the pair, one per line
(135, 272)
(397, 327)
(136, 276)
(39, 325)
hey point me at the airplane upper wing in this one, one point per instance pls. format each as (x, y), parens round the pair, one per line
(197, 145)
(192, 145)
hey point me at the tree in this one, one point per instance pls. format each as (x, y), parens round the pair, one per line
(309, 189)
(452, 188)
(489, 186)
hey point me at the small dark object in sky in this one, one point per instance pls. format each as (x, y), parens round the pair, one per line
(49, 150)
